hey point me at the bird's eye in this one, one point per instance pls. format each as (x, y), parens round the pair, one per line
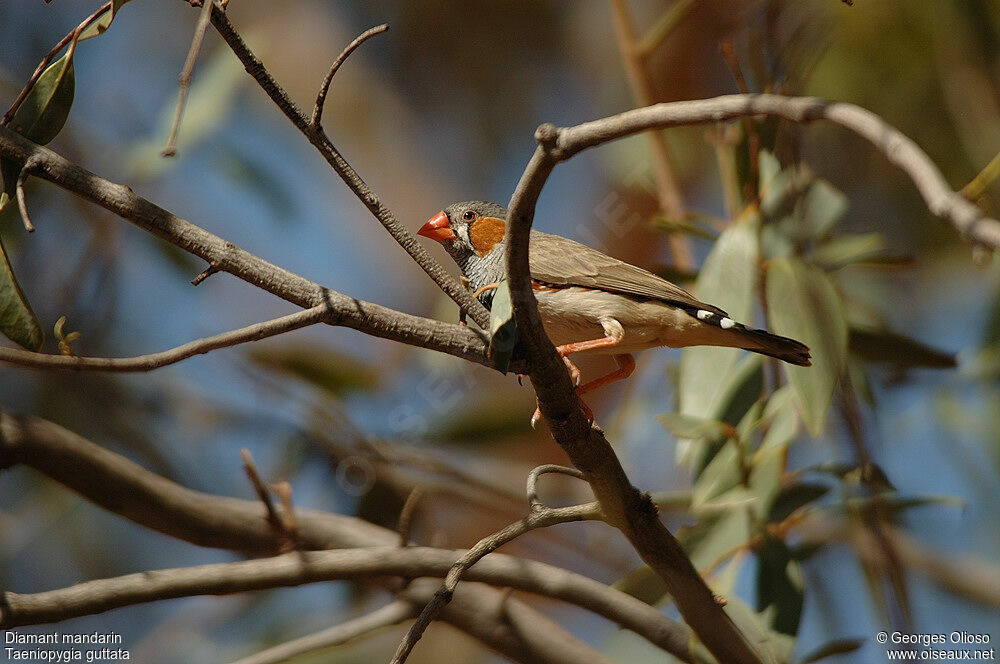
(469, 215)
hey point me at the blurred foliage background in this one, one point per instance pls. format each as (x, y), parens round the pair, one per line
(785, 503)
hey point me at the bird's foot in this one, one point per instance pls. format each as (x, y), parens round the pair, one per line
(574, 371)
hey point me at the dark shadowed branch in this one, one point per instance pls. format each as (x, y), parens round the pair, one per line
(365, 550)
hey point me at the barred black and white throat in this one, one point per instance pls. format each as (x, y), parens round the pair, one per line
(593, 303)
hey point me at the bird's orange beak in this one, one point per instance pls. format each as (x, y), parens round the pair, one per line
(437, 228)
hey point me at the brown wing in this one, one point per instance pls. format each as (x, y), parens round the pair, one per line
(559, 261)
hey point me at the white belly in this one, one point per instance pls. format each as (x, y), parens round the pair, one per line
(575, 314)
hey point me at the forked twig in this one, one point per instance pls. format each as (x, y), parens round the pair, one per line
(539, 517)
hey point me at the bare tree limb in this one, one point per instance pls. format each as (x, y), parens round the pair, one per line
(369, 198)
(122, 487)
(388, 615)
(303, 567)
(255, 332)
(532, 485)
(379, 321)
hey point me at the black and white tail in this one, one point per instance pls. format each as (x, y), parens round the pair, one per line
(760, 341)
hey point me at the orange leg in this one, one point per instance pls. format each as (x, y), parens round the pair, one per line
(626, 365)
(568, 349)
(625, 362)
(483, 289)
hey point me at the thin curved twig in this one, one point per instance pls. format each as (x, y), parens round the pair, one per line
(364, 193)
(184, 80)
(22, 200)
(532, 484)
(388, 615)
(255, 332)
(540, 518)
(316, 121)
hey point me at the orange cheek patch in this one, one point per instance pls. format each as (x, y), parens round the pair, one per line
(485, 233)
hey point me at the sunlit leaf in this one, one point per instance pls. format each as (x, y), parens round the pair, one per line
(716, 536)
(803, 304)
(721, 474)
(17, 321)
(41, 115)
(727, 279)
(503, 330)
(779, 586)
(772, 647)
(823, 205)
(689, 426)
(767, 468)
(886, 347)
(100, 26)
(848, 248)
(783, 421)
(327, 369)
(838, 647)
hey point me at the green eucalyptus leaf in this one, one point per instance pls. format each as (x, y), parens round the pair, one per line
(41, 115)
(849, 248)
(503, 331)
(886, 347)
(100, 26)
(779, 586)
(17, 321)
(794, 496)
(727, 279)
(803, 304)
(822, 206)
(689, 426)
(716, 535)
(644, 584)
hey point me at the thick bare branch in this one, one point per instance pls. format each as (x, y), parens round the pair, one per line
(122, 487)
(299, 319)
(623, 506)
(585, 445)
(225, 256)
